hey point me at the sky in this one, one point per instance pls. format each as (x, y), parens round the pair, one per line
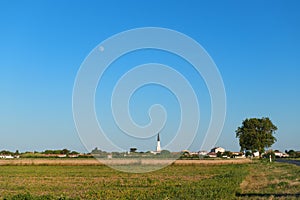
(254, 44)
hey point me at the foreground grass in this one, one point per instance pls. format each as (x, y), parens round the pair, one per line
(271, 181)
(101, 182)
(259, 180)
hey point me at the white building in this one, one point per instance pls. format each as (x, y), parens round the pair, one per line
(256, 154)
(6, 156)
(212, 155)
(218, 149)
(281, 155)
(202, 153)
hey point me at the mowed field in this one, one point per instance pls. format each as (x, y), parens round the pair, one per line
(256, 180)
(90, 161)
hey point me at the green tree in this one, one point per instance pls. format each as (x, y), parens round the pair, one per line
(227, 153)
(74, 152)
(133, 150)
(96, 151)
(165, 152)
(17, 152)
(256, 134)
(65, 151)
(219, 154)
(5, 152)
(292, 153)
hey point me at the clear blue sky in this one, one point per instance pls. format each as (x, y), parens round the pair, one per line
(255, 44)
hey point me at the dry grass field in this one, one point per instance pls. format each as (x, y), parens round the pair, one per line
(74, 162)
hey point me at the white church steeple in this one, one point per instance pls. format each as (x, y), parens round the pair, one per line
(158, 149)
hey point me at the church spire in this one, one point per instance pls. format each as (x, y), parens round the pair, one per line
(158, 149)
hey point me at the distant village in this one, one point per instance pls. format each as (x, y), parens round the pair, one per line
(215, 153)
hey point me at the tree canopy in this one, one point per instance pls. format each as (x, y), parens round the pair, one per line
(256, 134)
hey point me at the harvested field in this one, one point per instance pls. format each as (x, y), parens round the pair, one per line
(70, 162)
(213, 162)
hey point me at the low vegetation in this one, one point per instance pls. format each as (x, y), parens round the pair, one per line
(259, 180)
(101, 182)
(271, 181)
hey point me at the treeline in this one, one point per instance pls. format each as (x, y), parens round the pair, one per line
(293, 153)
(133, 153)
(61, 153)
(5, 152)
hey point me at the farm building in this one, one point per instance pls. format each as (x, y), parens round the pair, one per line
(218, 149)
(212, 154)
(7, 156)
